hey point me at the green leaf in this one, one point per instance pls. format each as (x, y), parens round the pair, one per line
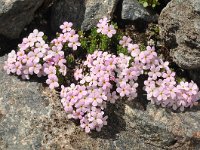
(145, 4)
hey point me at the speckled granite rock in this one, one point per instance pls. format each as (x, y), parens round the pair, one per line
(31, 117)
(83, 13)
(15, 14)
(97, 9)
(180, 30)
(22, 104)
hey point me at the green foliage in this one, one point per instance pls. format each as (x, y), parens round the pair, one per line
(91, 40)
(142, 47)
(151, 3)
(120, 49)
(70, 60)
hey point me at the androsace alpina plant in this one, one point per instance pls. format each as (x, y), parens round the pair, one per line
(105, 76)
(35, 56)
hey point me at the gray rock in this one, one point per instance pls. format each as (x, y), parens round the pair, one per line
(97, 9)
(15, 15)
(84, 14)
(129, 127)
(133, 10)
(180, 30)
(22, 104)
(32, 117)
(67, 10)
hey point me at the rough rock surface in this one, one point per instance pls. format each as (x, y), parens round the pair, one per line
(180, 29)
(15, 15)
(67, 10)
(31, 117)
(84, 14)
(97, 9)
(133, 10)
(21, 106)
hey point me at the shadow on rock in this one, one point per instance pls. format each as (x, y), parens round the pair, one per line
(6, 45)
(141, 101)
(116, 123)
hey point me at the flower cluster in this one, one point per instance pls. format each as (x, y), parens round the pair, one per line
(68, 36)
(104, 27)
(88, 100)
(161, 86)
(104, 78)
(108, 79)
(27, 61)
(35, 56)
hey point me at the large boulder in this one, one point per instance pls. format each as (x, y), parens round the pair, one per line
(15, 15)
(132, 10)
(22, 105)
(84, 14)
(180, 29)
(32, 117)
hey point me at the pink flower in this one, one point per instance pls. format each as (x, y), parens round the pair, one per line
(96, 117)
(173, 91)
(123, 90)
(104, 20)
(113, 97)
(52, 81)
(96, 100)
(33, 37)
(18, 68)
(73, 37)
(35, 68)
(143, 57)
(160, 94)
(155, 72)
(151, 51)
(64, 37)
(86, 125)
(82, 91)
(28, 42)
(68, 106)
(57, 43)
(169, 74)
(109, 31)
(66, 27)
(51, 70)
(102, 25)
(193, 88)
(42, 46)
(134, 50)
(74, 45)
(125, 41)
(78, 74)
(20, 55)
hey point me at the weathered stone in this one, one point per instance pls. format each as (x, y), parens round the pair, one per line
(15, 15)
(84, 14)
(133, 10)
(21, 106)
(129, 127)
(67, 10)
(32, 117)
(180, 29)
(97, 9)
